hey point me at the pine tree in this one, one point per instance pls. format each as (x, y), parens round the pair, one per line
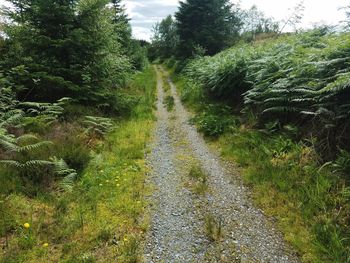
(64, 48)
(209, 24)
(119, 13)
(130, 47)
(40, 42)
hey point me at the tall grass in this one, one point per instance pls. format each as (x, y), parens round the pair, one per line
(310, 203)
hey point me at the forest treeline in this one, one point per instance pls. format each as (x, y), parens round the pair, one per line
(278, 104)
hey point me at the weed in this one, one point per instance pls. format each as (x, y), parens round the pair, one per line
(169, 102)
(213, 227)
(200, 185)
(214, 120)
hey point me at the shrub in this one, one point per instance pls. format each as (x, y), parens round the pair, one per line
(169, 102)
(70, 144)
(215, 120)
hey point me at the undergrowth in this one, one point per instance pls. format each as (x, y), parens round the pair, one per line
(98, 219)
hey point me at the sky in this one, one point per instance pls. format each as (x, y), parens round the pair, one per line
(145, 13)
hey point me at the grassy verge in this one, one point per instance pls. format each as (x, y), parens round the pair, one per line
(99, 220)
(309, 202)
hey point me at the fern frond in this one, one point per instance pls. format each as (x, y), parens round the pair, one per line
(9, 146)
(33, 147)
(11, 163)
(34, 163)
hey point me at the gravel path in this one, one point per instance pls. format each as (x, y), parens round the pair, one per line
(178, 216)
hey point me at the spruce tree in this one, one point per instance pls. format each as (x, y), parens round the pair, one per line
(64, 48)
(207, 24)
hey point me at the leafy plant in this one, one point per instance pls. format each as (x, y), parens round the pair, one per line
(49, 112)
(69, 175)
(21, 149)
(297, 79)
(213, 228)
(342, 163)
(169, 102)
(214, 120)
(200, 179)
(98, 126)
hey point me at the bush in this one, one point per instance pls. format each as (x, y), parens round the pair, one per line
(171, 62)
(215, 120)
(299, 79)
(169, 102)
(71, 145)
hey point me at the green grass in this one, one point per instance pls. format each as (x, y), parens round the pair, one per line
(288, 184)
(169, 103)
(102, 218)
(199, 178)
(143, 86)
(213, 228)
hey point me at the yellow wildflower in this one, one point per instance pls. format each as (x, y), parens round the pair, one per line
(26, 225)
(45, 244)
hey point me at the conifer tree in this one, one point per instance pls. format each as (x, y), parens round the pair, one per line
(209, 24)
(63, 48)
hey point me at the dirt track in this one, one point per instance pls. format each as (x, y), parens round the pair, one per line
(179, 216)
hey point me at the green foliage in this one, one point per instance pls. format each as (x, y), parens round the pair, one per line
(169, 102)
(309, 202)
(21, 154)
(142, 88)
(295, 79)
(69, 175)
(213, 228)
(66, 48)
(342, 163)
(200, 178)
(223, 76)
(97, 126)
(214, 120)
(97, 204)
(165, 39)
(73, 149)
(211, 25)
